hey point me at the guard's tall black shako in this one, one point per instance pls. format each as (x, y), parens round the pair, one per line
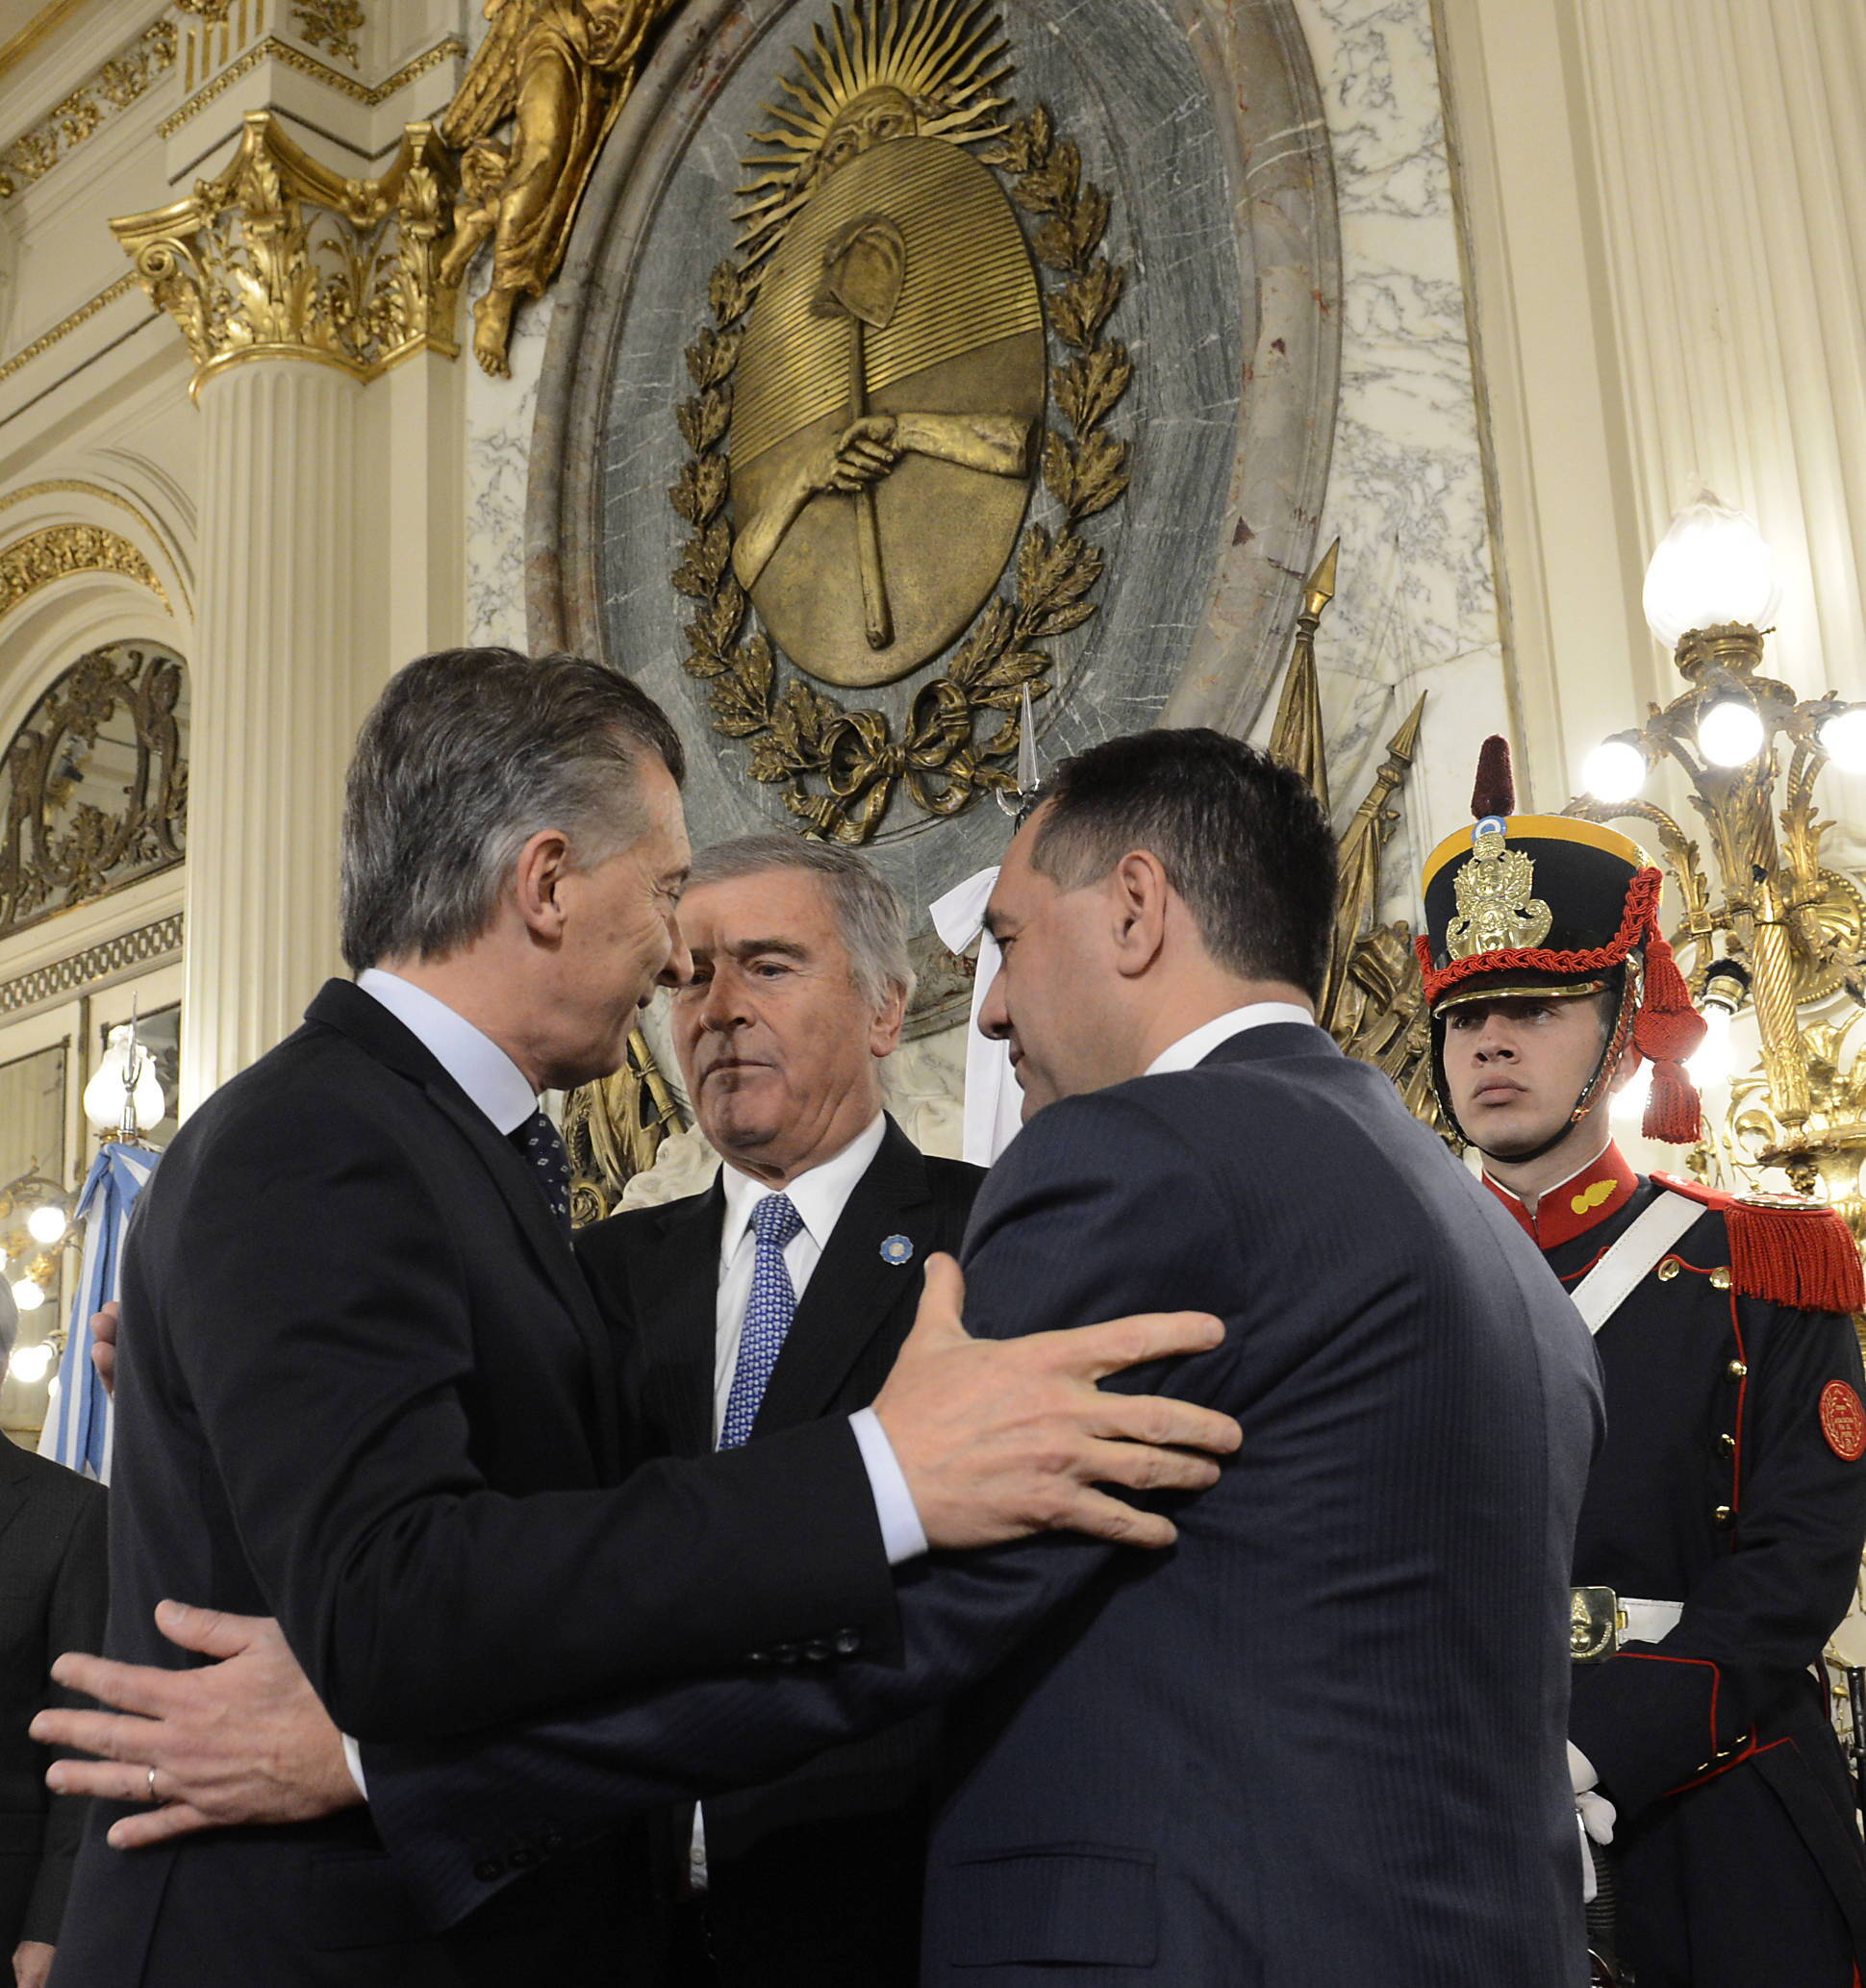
(1554, 907)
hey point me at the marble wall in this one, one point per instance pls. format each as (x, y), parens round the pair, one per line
(1417, 606)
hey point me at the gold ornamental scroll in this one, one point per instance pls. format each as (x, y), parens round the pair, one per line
(952, 381)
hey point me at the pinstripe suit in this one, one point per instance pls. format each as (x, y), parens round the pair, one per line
(1321, 1741)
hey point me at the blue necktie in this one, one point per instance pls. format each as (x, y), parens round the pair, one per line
(541, 1146)
(768, 1317)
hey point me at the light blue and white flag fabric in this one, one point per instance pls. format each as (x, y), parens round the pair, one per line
(78, 1417)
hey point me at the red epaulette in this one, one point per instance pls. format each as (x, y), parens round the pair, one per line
(1783, 1247)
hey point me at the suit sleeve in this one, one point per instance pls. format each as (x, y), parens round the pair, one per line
(74, 1621)
(1653, 1721)
(1086, 1219)
(333, 1368)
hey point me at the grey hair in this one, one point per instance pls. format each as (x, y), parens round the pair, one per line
(9, 1327)
(871, 919)
(466, 755)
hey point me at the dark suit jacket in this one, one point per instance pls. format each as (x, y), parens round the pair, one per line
(1318, 1743)
(362, 1387)
(53, 1587)
(655, 1273)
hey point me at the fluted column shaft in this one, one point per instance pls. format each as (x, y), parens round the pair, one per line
(277, 696)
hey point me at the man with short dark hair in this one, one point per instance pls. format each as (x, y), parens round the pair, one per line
(1718, 1543)
(799, 986)
(1321, 1742)
(363, 1384)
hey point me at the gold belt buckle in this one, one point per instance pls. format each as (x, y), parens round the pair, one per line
(1594, 1624)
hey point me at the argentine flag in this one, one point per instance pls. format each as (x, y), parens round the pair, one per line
(78, 1416)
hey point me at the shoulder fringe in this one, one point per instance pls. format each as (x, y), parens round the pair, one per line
(1789, 1251)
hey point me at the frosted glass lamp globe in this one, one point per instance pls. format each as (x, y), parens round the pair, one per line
(1713, 568)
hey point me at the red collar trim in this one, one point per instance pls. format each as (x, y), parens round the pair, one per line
(1581, 1202)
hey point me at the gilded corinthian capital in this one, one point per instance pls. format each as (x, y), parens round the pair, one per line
(278, 257)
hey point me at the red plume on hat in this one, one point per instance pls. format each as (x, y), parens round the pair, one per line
(1494, 792)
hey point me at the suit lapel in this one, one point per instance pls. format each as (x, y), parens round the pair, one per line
(854, 1288)
(373, 1029)
(676, 1290)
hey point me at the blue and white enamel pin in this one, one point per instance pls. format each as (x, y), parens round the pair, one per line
(897, 1250)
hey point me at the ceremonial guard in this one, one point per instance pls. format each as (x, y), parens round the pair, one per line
(1719, 1541)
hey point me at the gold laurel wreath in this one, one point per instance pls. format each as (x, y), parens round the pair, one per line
(841, 768)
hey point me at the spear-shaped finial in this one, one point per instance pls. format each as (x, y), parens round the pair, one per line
(1321, 588)
(1028, 777)
(1024, 796)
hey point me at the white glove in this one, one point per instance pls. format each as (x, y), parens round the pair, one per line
(1597, 1815)
(1590, 1886)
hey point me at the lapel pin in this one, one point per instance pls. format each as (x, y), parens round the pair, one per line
(896, 1251)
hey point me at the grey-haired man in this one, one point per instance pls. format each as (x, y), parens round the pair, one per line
(800, 984)
(363, 1387)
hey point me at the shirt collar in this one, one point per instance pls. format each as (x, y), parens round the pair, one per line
(819, 1195)
(1581, 1202)
(468, 1055)
(1190, 1050)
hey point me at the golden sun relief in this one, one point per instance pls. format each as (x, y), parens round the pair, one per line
(869, 420)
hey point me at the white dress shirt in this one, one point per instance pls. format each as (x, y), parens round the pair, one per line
(468, 1055)
(1192, 1049)
(818, 1195)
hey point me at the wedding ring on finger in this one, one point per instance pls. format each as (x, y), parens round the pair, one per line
(153, 1796)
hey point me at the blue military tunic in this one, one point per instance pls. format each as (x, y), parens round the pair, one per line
(1732, 1481)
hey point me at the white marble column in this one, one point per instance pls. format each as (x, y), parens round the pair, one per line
(279, 687)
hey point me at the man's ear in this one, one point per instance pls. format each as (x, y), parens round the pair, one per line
(1140, 897)
(537, 883)
(884, 1028)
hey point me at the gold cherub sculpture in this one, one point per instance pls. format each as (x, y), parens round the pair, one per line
(560, 70)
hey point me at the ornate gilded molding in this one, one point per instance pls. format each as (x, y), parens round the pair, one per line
(113, 87)
(150, 944)
(58, 551)
(882, 118)
(331, 25)
(560, 71)
(94, 785)
(43, 343)
(273, 50)
(280, 256)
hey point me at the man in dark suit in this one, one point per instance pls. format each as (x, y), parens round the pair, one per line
(362, 1382)
(799, 987)
(1321, 1742)
(52, 1589)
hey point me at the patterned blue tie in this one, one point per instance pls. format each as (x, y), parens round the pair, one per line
(541, 1146)
(768, 1317)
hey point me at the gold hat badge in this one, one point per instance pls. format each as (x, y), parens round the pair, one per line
(1498, 910)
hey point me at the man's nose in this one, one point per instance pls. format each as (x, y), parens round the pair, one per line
(679, 969)
(1494, 1043)
(723, 1005)
(995, 1011)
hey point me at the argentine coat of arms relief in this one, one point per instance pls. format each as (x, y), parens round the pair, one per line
(868, 423)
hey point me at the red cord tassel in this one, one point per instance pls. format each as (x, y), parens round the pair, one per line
(1668, 1030)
